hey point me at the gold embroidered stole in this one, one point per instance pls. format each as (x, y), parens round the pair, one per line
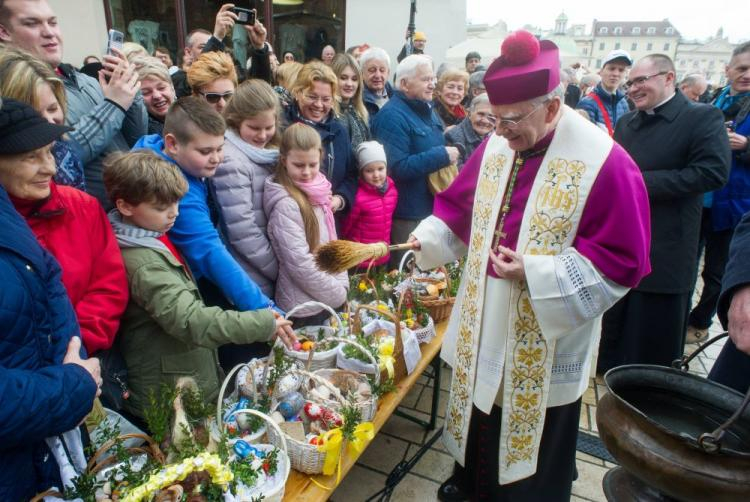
(549, 225)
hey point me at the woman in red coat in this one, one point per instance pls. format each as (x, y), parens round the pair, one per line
(372, 214)
(72, 226)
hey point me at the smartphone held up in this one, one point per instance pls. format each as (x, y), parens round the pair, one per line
(244, 16)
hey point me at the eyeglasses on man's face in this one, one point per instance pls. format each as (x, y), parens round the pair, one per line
(639, 81)
(514, 123)
(215, 97)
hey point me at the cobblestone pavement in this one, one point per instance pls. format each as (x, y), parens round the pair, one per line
(400, 439)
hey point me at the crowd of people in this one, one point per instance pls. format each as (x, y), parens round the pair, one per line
(162, 219)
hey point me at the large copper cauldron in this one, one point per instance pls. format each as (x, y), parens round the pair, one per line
(675, 435)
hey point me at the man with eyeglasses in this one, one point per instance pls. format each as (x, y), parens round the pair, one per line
(682, 150)
(553, 217)
(606, 103)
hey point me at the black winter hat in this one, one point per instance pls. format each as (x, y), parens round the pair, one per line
(23, 130)
(473, 55)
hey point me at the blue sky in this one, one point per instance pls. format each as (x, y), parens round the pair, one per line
(691, 18)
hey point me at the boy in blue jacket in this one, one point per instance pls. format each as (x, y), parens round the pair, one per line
(193, 139)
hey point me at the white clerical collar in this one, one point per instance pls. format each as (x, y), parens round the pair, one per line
(651, 111)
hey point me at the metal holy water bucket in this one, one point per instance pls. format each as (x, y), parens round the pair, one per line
(674, 434)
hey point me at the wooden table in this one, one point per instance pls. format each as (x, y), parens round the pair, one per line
(299, 487)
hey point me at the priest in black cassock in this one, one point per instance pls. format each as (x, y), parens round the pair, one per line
(682, 150)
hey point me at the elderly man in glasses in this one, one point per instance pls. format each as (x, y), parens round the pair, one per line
(553, 217)
(682, 150)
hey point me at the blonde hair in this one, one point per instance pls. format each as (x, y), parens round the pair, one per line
(316, 71)
(143, 176)
(302, 137)
(340, 63)
(252, 98)
(149, 66)
(452, 75)
(132, 50)
(286, 74)
(211, 66)
(21, 74)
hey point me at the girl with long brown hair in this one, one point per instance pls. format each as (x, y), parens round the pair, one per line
(352, 112)
(297, 201)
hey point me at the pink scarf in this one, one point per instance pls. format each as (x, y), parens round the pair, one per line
(319, 193)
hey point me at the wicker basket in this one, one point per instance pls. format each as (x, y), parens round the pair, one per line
(369, 407)
(438, 307)
(99, 463)
(399, 366)
(303, 456)
(427, 333)
(316, 360)
(276, 494)
(256, 436)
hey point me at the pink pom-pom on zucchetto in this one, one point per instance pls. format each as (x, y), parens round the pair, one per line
(519, 48)
(526, 69)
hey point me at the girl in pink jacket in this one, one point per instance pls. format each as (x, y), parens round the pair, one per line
(297, 201)
(372, 214)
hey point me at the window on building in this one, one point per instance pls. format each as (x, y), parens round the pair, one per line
(585, 50)
(696, 64)
(603, 30)
(617, 30)
(636, 30)
(617, 45)
(683, 63)
(669, 30)
(649, 46)
(666, 46)
(601, 46)
(650, 30)
(147, 23)
(598, 63)
(711, 65)
(634, 46)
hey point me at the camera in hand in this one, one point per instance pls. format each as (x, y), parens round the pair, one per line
(244, 16)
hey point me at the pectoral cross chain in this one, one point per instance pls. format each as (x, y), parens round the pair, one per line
(505, 209)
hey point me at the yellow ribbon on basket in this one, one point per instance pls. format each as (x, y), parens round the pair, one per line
(332, 444)
(385, 357)
(220, 474)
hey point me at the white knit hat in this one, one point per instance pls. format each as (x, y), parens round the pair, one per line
(369, 152)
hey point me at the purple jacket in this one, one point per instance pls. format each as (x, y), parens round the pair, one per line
(299, 279)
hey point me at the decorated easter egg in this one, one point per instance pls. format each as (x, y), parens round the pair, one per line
(312, 411)
(307, 345)
(241, 449)
(291, 405)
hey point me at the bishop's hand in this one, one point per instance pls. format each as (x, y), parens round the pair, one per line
(508, 264)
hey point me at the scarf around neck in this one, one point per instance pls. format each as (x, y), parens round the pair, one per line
(129, 236)
(262, 156)
(725, 101)
(318, 191)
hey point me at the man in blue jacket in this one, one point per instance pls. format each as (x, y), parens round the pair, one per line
(412, 135)
(46, 387)
(723, 209)
(607, 103)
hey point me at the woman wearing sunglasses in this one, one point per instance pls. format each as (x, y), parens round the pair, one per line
(212, 77)
(314, 104)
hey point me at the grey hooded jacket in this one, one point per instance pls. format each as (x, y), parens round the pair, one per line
(238, 186)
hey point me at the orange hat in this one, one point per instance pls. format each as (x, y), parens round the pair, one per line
(419, 36)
